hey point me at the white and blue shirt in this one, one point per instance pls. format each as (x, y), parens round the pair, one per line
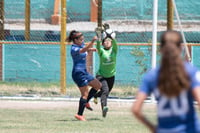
(177, 114)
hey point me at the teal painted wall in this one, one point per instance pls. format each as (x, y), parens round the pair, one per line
(79, 10)
(42, 63)
(142, 9)
(40, 9)
(34, 63)
(196, 56)
(132, 37)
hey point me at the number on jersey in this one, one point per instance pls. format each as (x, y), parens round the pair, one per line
(173, 108)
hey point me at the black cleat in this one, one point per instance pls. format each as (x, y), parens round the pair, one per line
(104, 111)
(87, 105)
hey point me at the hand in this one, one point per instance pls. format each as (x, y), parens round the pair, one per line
(153, 129)
(98, 31)
(106, 26)
(94, 39)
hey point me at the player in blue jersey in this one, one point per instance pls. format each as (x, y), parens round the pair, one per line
(175, 84)
(79, 73)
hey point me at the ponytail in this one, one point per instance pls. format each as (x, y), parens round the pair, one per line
(74, 35)
(173, 78)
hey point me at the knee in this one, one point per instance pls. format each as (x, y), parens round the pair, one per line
(85, 95)
(99, 85)
(105, 91)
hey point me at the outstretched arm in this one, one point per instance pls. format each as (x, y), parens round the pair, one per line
(114, 45)
(98, 46)
(89, 46)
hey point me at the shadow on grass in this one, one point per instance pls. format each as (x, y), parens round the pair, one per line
(94, 119)
(67, 120)
(89, 119)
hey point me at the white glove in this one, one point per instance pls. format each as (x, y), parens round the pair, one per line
(98, 31)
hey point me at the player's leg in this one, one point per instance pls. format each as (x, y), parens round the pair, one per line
(93, 91)
(82, 103)
(104, 96)
(96, 85)
(98, 94)
(110, 82)
(107, 86)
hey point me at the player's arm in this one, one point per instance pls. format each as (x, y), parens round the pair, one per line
(144, 91)
(195, 81)
(196, 94)
(89, 46)
(98, 32)
(98, 47)
(114, 45)
(137, 111)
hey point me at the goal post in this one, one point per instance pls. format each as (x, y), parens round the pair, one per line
(63, 47)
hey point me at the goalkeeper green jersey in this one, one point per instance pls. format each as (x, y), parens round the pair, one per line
(107, 65)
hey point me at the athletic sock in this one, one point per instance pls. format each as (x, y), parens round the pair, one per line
(91, 94)
(98, 94)
(81, 108)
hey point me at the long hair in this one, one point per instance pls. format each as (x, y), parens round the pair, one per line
(173, 78)
(74, 35)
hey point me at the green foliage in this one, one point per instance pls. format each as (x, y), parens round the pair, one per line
(141, 58)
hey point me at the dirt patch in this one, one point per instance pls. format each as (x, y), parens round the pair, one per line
(11, 104)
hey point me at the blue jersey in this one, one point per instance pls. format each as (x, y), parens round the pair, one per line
(79, 59)
(79, 73)
(177, 114)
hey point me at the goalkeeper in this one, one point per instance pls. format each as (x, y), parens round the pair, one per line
(107, 67)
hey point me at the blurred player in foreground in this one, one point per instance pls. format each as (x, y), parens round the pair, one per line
(79, 73)
(175, 84)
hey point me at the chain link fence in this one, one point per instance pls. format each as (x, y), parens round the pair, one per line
(32, 67)
(38, 60)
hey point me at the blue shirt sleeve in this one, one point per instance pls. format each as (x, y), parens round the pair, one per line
(75, 50)
(145, 85)
(195, 78)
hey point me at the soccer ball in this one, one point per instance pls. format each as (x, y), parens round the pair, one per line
(109, 33)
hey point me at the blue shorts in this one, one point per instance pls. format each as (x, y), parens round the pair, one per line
(81, 77)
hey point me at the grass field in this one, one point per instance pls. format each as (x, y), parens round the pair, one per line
(58, 117)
